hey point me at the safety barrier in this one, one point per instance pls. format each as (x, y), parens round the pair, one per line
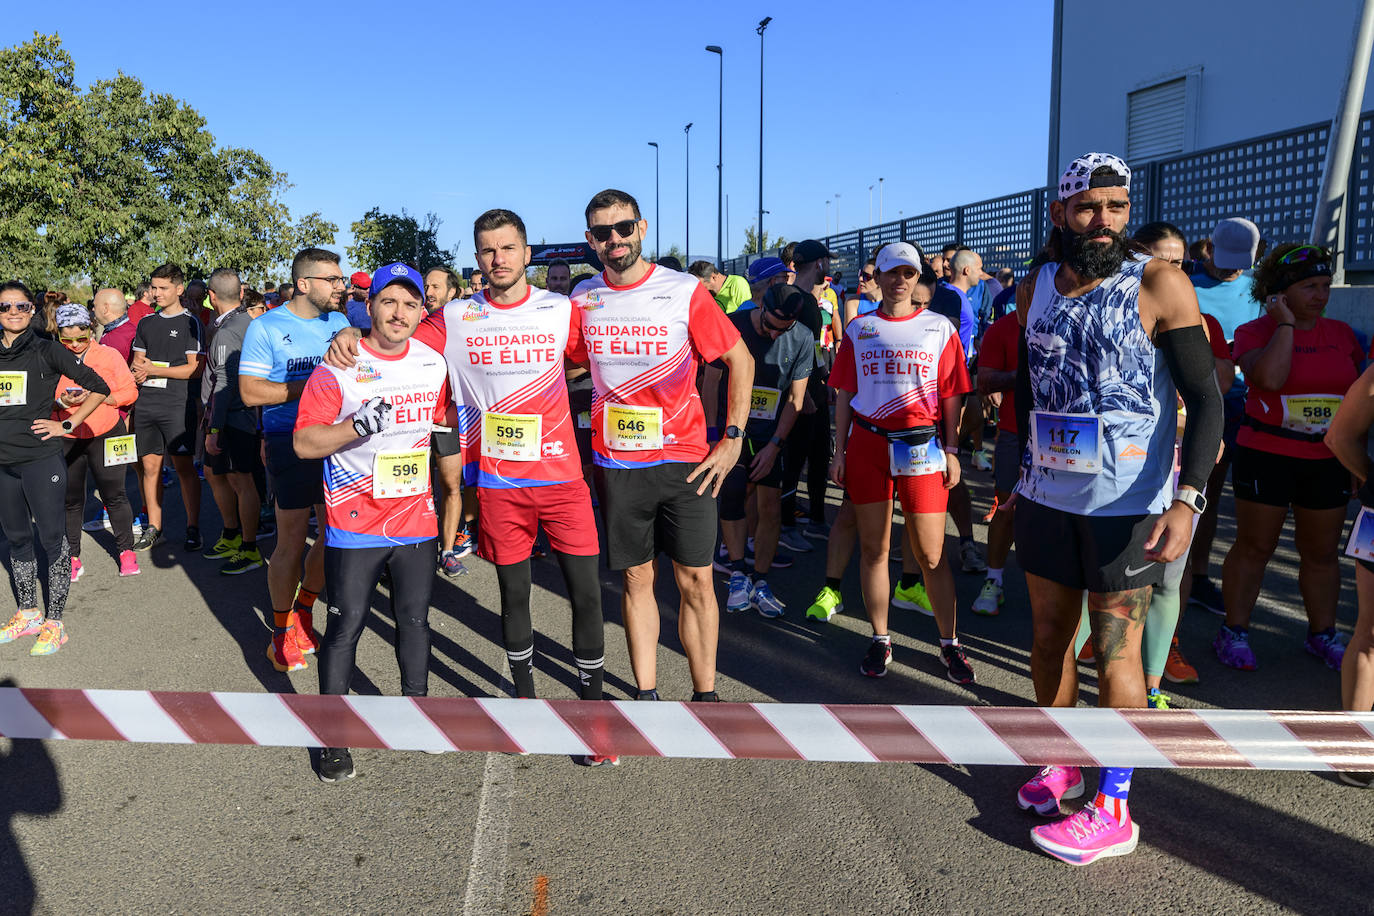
(1210, 738)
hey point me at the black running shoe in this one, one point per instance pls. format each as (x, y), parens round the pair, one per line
(956, 665)
(151, 535)
(336, 764)
(650, 694)
(875, 662)
(707, 697)
(193, 539)
(781, 560)
(1207, 595)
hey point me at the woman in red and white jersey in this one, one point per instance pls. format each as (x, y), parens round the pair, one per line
(900, 379)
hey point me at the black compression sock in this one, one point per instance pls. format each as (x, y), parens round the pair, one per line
(738, 566)
(831, 582)
(522, 671)
(229, 534)
(910, 579)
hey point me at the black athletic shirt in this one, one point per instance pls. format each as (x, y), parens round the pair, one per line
(167, 339)
(777, 364)
(35, 364)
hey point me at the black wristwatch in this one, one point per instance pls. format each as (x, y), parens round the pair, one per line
(68, 426)
(734, 432)
(778, 442)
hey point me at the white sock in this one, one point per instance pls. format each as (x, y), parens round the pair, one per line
(995, 575)
(949, 642)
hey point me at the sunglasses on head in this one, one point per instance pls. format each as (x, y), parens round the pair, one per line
(625, 228)
(20, 307)
(1305, 253)
(69, 341)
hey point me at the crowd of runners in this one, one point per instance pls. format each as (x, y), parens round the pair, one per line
(416, 418)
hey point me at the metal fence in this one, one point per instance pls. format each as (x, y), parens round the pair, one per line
(1272, 180)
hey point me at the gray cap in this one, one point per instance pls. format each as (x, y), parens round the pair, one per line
(1234, 242)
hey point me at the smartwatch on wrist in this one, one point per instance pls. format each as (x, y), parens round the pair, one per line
(778, 442)
(734, 432)
(1193, 500)
(68, 426)
(952, 450)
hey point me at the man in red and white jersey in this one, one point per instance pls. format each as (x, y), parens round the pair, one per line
(371, 424)
(644, 332)
(504, 348)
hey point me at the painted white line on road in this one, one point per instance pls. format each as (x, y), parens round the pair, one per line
(486, 886)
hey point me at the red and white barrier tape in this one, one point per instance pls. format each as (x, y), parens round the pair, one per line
(1216, 738)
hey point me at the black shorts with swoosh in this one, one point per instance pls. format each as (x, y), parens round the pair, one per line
(1100, 553)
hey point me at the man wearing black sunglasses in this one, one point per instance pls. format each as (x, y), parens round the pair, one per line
(644, 331)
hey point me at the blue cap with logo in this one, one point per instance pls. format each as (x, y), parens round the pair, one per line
(764, 268)
(397, 273)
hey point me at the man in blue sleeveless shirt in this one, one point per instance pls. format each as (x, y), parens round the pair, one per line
(1110, 341)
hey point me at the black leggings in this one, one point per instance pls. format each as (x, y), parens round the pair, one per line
(517, 630)
(35, 490)
(85, 455)
(351, 575)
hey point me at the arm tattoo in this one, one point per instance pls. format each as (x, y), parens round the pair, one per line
(1112, 616)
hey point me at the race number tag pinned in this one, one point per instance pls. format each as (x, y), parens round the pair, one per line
(120, 450)
(511, 436)
(763, 403)
(633, 428)
(1066, 441)
(14, 389)
(397, 474)
(1361, 543)
(159, 381)
(907, 459)
(1309, 413)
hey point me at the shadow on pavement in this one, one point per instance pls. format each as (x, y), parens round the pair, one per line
(32, 788)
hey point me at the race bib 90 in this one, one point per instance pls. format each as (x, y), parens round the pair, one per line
(908, 460)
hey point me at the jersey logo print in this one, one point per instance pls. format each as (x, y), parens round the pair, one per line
(538, 386)
(1132, 451)
(173, 332)
(924, 393)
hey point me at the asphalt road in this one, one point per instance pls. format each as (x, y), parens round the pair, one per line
(92, 827)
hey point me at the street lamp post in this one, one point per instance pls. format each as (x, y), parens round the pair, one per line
(837, 214)
(870, 205)
(688, 132)
(658, 227)
(720, 160)
(880, 200)
(758, 239)
(827, 216)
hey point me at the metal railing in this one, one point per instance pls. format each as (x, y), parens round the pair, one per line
(1272, 180)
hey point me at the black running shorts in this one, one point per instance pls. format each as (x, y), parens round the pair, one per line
(1100, 553)
(654, 509)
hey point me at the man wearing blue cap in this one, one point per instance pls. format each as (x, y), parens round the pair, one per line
(762, 274)
(370, 424)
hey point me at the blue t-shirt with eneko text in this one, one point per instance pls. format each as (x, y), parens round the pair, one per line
(283, 347)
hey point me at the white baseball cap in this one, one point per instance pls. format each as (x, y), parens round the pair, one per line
(1234, 243)
(898, 254)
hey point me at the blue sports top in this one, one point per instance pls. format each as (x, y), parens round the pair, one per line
(283, 347)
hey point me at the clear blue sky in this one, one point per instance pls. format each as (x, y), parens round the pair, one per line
(457, 107)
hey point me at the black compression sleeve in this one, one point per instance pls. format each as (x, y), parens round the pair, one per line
(1023, 395)
(1193, 368)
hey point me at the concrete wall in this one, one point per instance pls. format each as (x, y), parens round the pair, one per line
(1266, 65)
(1355, 306)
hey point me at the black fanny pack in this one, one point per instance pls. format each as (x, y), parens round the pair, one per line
(1279, 431)
(916, 435)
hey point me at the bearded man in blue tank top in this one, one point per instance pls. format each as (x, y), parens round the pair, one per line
(1111, 340)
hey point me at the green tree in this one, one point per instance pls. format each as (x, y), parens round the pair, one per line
(768, 243)
(107, 183)
(385, 238)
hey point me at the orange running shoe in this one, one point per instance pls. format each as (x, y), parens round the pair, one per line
(304, 632)
(283, 652)
(1176, 667)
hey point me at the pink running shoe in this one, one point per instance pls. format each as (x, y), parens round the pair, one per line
(1086, 836)
(1043, 791)
(128, 563)
(77, 570)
